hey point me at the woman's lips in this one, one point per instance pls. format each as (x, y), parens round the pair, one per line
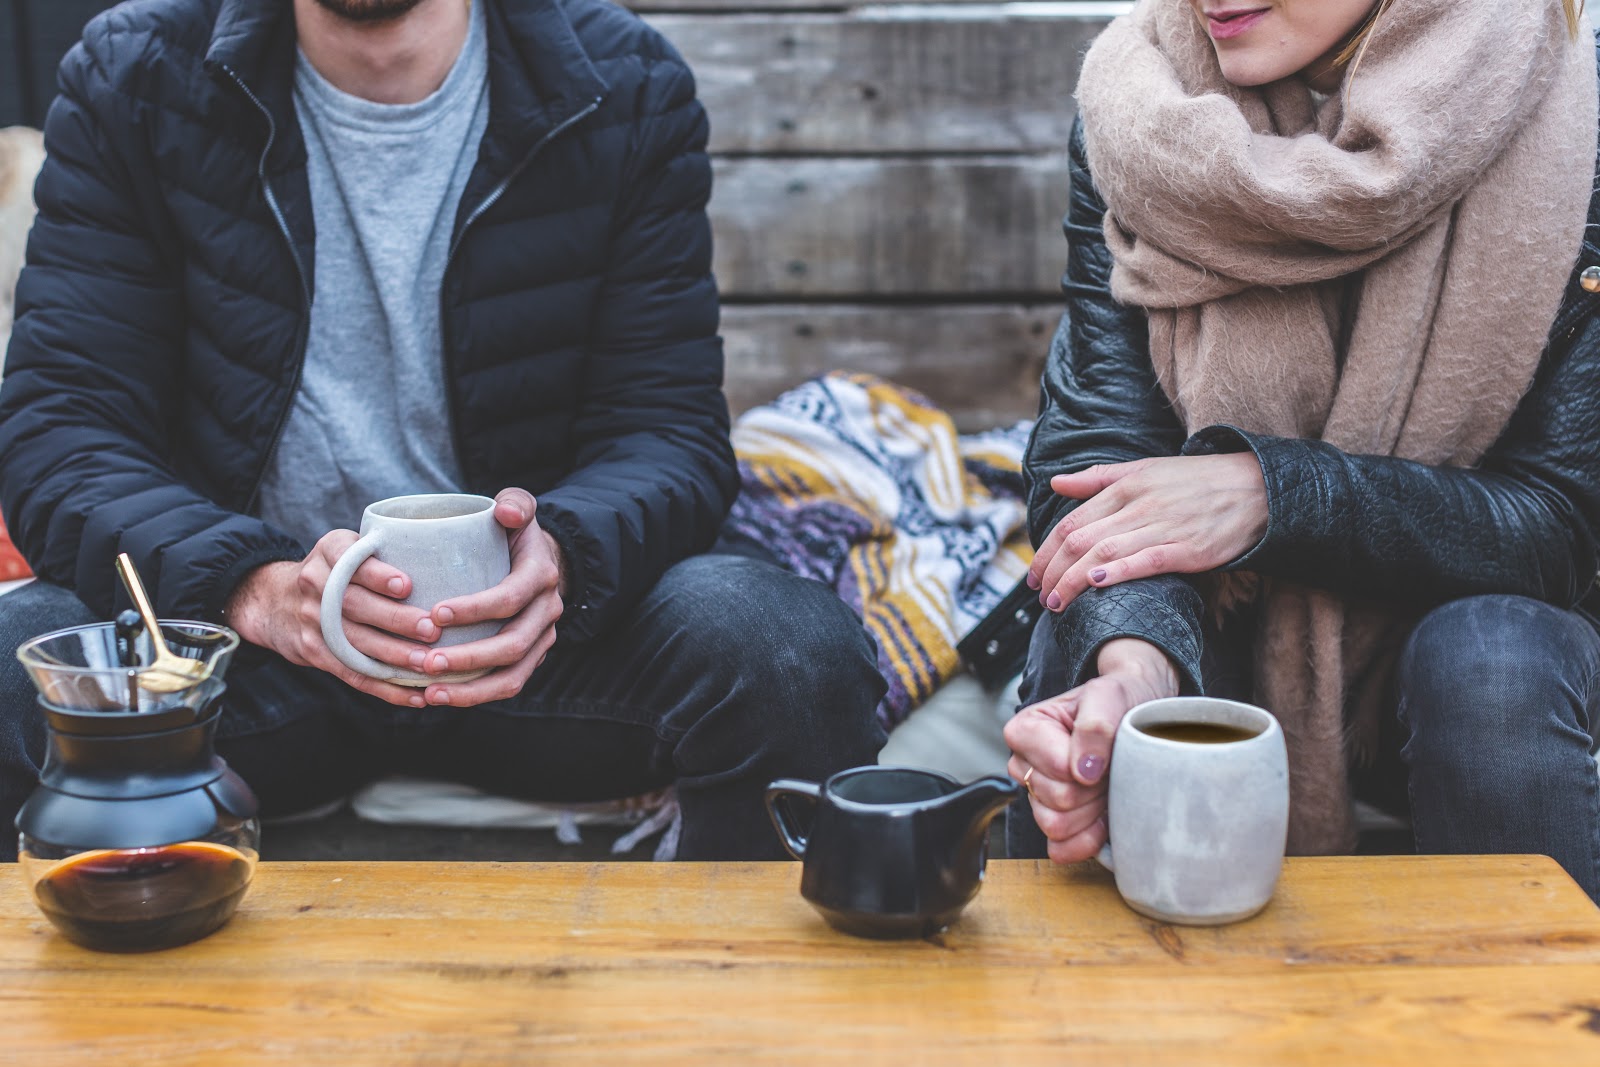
(1226, 24)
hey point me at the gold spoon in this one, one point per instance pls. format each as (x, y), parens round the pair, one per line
(170, 672)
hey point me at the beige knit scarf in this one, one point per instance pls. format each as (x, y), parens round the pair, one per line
(1451, 177)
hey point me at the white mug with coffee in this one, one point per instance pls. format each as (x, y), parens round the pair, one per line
(1199, 809)
(448, 544)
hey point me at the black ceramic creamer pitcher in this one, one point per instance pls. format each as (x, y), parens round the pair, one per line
(891, 852)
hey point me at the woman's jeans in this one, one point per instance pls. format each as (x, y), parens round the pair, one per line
(1498, 713)
(730, 673)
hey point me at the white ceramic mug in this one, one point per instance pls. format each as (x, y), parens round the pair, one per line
(448, 544)
(1197, 831)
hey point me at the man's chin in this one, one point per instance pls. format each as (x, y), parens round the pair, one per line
(368, 10)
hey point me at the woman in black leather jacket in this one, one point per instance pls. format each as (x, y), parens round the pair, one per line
(1479, 572)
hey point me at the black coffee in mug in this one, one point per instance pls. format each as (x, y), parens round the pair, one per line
(1198, 733)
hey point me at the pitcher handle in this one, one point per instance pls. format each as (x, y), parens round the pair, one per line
(779, 792)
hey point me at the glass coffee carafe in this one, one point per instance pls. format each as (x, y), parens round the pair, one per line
(139, 836)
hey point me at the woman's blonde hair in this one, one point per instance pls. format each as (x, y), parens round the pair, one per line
(1358, 43)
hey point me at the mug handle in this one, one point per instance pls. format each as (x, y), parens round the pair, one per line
(333, 617)
(777, 793)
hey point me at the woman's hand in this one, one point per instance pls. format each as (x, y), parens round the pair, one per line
(1174, 515)
(1066, 742)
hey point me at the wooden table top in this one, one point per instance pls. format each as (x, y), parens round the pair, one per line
(1413, 960)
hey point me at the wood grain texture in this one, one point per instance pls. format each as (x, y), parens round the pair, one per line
(872, 85)
(1460, 960)
(971, 227)
(980, 362)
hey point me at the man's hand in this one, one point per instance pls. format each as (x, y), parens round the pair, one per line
(279, 606)
(1176, 515)
(531, 597)
(1066, 742)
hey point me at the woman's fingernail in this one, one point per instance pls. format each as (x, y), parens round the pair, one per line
(1097, 575)
(446, 616)
(397, 586)
(1090, 768)
(418, 658)
(1033, 581)
(1053, 601)
(427, 630)
(440, 664)
(439, 696)
(417, 701)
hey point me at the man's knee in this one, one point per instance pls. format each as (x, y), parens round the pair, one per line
(765, 618)
(25, 613)
(788, 642)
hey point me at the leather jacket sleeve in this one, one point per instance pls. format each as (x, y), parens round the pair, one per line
(1100, 403)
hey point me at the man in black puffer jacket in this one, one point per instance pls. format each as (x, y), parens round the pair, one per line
(439, 246)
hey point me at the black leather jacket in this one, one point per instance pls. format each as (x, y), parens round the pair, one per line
(1523, 521)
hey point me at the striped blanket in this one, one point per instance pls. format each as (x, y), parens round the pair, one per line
(866, 486)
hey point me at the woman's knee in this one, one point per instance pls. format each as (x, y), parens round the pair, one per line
(1481, 666)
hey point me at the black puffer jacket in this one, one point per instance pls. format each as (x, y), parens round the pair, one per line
(162, 315)
(1522, 522)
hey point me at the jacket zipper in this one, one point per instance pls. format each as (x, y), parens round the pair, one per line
(450, 257)
(302, 332)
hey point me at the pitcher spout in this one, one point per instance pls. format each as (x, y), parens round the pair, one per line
(977, 804)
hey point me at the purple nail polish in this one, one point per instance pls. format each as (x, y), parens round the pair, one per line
(1033, 582)
(1090, 768)
(1053, 601)
(1097, 575)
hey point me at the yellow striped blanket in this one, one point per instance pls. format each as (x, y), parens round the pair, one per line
(865, 485)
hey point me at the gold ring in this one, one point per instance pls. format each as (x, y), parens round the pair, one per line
(1026, 783)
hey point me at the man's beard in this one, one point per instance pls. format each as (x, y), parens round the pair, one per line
(368, 10)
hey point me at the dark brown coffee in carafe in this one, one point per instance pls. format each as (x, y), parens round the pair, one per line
(1198, 733)
(135, 900)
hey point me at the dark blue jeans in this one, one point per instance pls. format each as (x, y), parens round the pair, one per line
(1498, 709)
(730, 673)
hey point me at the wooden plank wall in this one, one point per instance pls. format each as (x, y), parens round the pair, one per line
(890, 180)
